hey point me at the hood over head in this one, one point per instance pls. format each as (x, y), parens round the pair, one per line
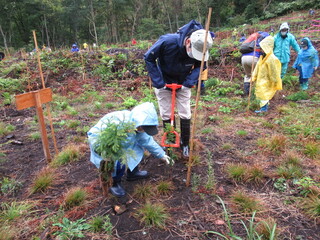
(267, 44)
(305, 42)
(145, 115)
(187, 29)
(284, 25)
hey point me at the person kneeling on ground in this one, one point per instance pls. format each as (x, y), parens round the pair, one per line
(145, 121)
(267, 74)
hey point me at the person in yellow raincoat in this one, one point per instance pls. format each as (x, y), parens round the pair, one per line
(267, 74)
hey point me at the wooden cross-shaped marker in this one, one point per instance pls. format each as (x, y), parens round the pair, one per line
(36, 99)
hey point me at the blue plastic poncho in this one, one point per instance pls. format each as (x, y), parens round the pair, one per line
(307, 59)
(282, 46)
(143, 114)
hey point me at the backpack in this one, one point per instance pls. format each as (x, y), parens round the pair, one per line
(247, 47)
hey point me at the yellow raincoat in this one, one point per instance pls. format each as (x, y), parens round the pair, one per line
(267, 73)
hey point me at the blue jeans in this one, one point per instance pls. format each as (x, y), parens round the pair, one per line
(119, 170)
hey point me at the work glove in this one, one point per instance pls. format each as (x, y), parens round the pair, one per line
(167, 159)
(184, 87)
(166, 88)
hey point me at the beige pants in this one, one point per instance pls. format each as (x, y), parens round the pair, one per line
(246, 62)
(182, 103)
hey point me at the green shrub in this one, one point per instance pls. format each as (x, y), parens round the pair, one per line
(301, 95)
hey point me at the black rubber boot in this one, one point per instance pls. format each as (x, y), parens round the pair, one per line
(116, 189)
(136, 174)
(246, 88)
(166, 122)
(185, 136)
(203, 91)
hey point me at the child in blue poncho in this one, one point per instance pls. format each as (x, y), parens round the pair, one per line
(306, 63)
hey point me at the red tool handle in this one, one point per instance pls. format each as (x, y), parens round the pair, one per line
(173, 87)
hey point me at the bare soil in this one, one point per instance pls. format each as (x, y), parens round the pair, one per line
(193, 210)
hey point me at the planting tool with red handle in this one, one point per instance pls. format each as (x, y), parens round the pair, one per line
(173, 87)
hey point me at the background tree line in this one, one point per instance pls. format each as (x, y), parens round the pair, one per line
(62, 22)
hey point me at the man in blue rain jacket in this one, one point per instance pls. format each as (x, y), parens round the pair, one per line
(283, 40)
(145, 119)
(176, 58)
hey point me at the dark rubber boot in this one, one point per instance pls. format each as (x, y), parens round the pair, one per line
(165, 123)
(246, 88)
(116, 189)
(136, 174)
(185, 136)
(203, 91)
(168, 122)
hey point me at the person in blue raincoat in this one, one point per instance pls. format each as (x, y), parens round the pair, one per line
(74, 48)
(176, 58)
(283, 40)
(145, 119)
(306, 63)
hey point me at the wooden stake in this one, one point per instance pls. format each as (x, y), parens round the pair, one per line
(45, 143)
(43, 86)
(197, 101)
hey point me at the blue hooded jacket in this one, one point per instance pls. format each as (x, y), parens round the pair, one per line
(143, 114)
(307, 59)
(282, 46)
(168, 62)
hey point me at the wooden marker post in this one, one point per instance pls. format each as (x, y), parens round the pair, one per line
(36, 99)
(197, 101)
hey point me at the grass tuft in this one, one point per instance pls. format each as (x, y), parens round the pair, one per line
(277, 144)
(5, 129)
(312, 150)
(69, 154)
(290, 171)
(154, 215)
(101, 224)
(292, 158)
(43, 180)
(75, 197)
(14, 210)
(268, 229)
(255, 174)
(164, 187)
(143, 191)
(311, 206)
(236, 171)
(242, 133)
(245, 203)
